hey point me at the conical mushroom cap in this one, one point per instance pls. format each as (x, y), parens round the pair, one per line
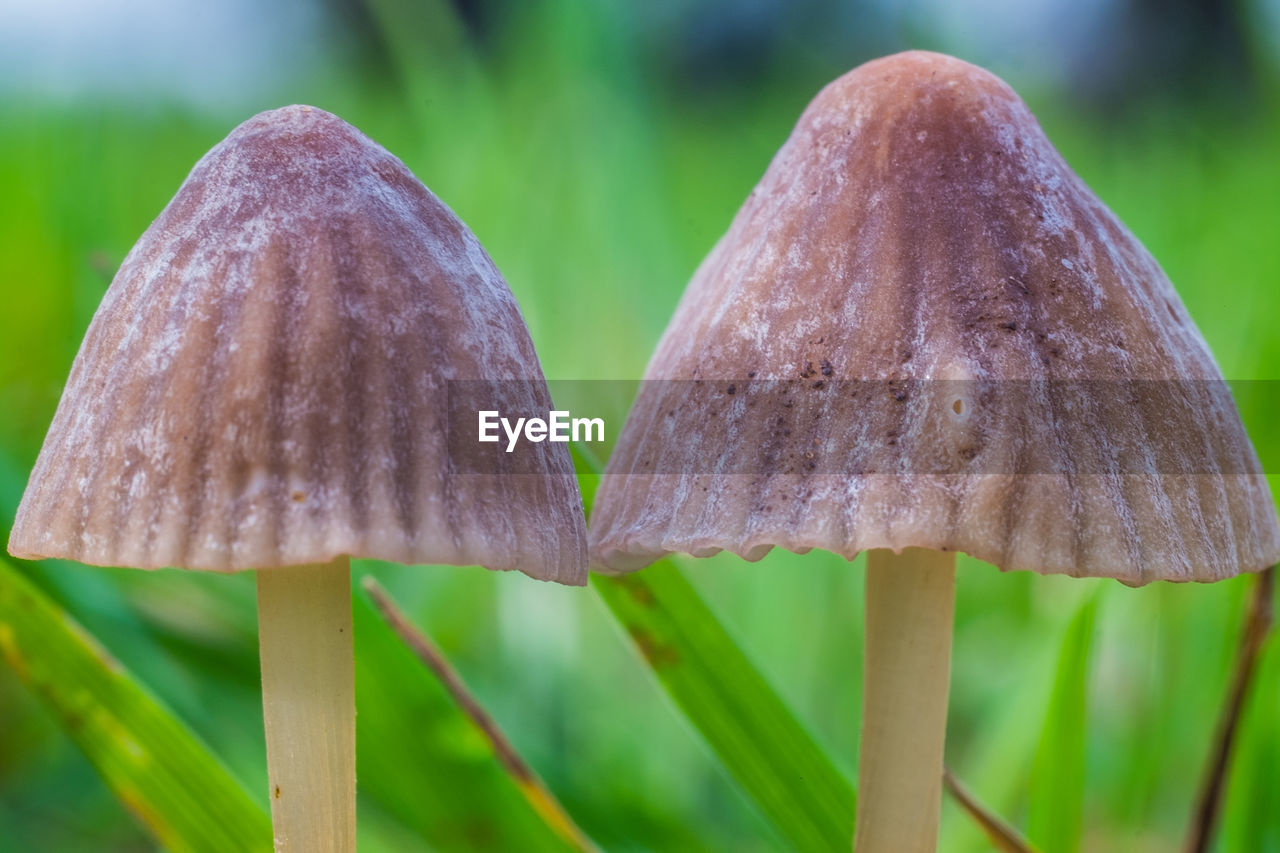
(265, 382)
(957, 347)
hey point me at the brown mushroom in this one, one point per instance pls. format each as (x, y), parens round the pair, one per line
(265, 385)
(924, 334)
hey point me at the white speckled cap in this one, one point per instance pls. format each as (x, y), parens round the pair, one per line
(264, 383)
(918, 228)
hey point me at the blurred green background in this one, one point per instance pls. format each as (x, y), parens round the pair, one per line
(598, 148)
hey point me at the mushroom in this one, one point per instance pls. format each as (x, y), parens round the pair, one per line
(923, 334)
(265, 386)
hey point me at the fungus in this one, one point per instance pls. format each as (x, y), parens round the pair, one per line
(264, 386)
(1003, 371)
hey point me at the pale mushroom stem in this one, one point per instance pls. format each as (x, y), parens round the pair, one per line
(906, 675)
(308, 702)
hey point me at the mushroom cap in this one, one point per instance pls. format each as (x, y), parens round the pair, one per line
(266, 381)
(923, 329)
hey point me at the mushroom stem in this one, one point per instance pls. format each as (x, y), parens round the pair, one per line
(906, 675)
(308, 702)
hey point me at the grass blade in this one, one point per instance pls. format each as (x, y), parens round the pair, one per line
(442, 781)
(762, 745)
(169, 781)
(522, 774)
(999, 832)
(760, 742)
(1056, 789)
(1256, 630)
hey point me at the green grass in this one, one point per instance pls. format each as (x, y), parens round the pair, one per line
(174, 788)
(597, 188)
(1055, 791)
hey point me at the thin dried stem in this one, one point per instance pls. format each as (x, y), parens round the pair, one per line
(1001, 834)
(530, 784)
(1256, 629)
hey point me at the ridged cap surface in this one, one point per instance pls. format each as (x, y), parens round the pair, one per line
(917, 226)
(265, 381)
